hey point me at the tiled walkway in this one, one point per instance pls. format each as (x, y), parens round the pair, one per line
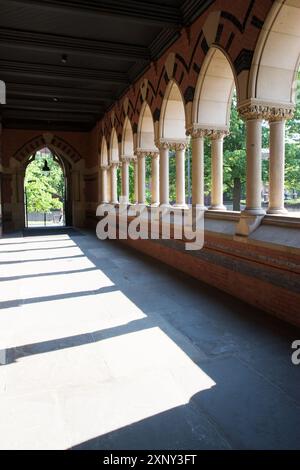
(102, 347)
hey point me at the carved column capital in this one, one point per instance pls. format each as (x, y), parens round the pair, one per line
(172, 144)
(216, 134)
(177, 146)
(126, 159)
(266, 111)
(114, 164)
(197, 132)
(104, 167)
(154, 155)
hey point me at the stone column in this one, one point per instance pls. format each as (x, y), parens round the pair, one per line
(164, 174)
(155, 179)
(217, 138)
(141, 156)
(104, 197)
(180, 174)
(114, 182)
(253, 214)
(198, 167)
(254, 168)
(125, 179)
(136, 180)
(276, 166)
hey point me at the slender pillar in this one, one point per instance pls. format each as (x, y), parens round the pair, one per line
(164, 174)
(217, 138)
(180, 174)
(276, 168)
(155, 179)
(136, 180)
(104, 196)
(254, 170)
(114, 187)
(141, 178)
(125, 179)
(198, 168)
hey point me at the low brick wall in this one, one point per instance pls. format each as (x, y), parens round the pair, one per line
(266, 277)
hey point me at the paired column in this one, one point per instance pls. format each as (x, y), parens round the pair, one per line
(217, 138)
(164, 174)
(136, 180)
(276, 166)
(114, 186)
(154, 179)
(104, 195)
(198, 167)
(180, 174)
(253, 165)
(141, 178)
(125, 179)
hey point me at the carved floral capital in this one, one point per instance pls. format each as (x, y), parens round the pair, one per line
(266, 112)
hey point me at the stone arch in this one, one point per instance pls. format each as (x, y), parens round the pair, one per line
(53, 142)
(72, 164)
(145, 132)
(103, 153)
(127, 139)
(114, 147)
(213, 94)
(172, 121)
(276, 57)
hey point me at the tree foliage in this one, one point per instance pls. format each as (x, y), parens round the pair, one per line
(44, 192)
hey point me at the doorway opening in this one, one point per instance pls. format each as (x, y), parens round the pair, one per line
(45, 190)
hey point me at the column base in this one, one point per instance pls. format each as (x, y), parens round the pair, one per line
(180, 206)
(217, 207)
(154, 204)
(200, 207)
(248, 224)
(279, 210)
(256, 211)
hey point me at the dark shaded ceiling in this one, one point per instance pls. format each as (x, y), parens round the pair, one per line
(106, 44)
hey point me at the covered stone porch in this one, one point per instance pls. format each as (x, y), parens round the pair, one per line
(103, 347)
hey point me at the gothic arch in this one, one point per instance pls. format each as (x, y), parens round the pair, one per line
(145, 133)
(172, 123)
(53, 142)
(127, 139)
(104, 153)
(114, 147)
(276, 58)
(213, 94)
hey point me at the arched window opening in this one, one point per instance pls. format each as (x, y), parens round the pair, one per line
(44, 190)
(172, 132)
(215, 113)
(292, 159)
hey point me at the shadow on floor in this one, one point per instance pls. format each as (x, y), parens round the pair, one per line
(255, 403)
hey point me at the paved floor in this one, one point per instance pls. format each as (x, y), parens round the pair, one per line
(102, 347)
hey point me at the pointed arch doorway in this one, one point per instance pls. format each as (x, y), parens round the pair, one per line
(45, 190)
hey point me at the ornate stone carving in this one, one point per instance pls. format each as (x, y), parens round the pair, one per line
(171, 144)
(267, 112)
(126, 159)
(196, 132)
(218, 134)
(180, 146)
(146, 153)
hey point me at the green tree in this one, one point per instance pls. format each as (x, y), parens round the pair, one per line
(44, 192)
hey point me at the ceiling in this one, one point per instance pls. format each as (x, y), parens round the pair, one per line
(65, 62)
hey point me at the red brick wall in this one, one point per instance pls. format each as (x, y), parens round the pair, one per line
(274, 290)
